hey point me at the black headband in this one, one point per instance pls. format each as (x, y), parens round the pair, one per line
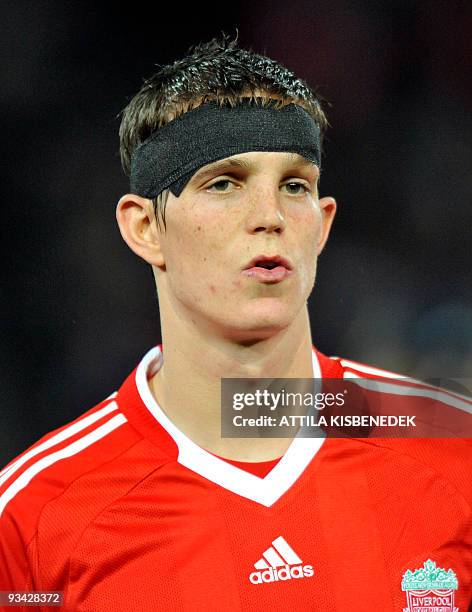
(173, 153)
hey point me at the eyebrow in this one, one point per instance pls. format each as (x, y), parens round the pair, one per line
(224, 164)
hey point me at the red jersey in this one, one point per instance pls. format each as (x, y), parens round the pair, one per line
(119, 510)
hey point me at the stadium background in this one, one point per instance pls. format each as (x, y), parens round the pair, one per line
(393, 286)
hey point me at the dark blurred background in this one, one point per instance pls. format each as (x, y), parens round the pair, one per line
(393, 288)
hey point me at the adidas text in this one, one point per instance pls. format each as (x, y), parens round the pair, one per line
(284, 573)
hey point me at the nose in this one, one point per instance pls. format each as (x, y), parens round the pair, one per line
(265, 212)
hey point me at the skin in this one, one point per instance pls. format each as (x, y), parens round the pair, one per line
(216, 321)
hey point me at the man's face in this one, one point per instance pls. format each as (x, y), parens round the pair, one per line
(241, 243)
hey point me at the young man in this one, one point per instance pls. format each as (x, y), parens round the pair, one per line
(140, 503)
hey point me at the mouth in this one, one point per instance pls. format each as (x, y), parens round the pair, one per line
(268, 269)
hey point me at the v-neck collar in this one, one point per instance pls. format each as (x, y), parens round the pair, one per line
(265, 491)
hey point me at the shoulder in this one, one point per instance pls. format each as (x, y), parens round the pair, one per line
(428, 399)
(51, 465)
(60, 485)
(391, 383)
(441, 443)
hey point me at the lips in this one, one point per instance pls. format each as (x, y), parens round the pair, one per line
(268, 269)
(268, 262)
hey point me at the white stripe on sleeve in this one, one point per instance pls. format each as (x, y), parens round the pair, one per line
(56, 439)
(68, 451)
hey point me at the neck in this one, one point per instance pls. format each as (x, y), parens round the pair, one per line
(187, 387)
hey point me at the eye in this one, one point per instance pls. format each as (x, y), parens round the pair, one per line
(295, 188)
(221, 185)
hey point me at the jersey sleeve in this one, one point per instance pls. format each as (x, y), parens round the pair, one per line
(15, 569)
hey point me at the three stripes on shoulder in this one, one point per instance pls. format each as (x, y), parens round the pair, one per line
(15, 485)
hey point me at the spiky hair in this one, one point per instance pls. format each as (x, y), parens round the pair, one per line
(219, 71)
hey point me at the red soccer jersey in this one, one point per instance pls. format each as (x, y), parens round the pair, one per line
(119, 510)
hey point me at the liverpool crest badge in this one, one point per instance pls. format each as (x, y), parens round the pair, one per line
(430, 589)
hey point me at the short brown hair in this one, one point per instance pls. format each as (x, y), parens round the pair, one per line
(214, 71)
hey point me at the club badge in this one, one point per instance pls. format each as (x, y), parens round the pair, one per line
(430, 589)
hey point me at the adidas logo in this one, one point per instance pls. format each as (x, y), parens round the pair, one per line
(279, 562)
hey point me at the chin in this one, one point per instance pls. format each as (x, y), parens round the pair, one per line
(261, 321)
(248, 337)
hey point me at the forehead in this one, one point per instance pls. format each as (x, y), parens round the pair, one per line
(255, 159)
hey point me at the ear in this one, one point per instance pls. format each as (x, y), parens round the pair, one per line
(137, 223)
(328, 211)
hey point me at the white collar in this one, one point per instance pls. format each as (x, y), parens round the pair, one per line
(266, 490)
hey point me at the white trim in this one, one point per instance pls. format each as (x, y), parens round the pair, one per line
(57, 438)
(352, 365)
(265, 491)
(436, 394)
(316, 365)
(371, 370)
(72, 449)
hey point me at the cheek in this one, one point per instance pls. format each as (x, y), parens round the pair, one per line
(313, 217)
(308, 228)
(307, 221)
(193, 241)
